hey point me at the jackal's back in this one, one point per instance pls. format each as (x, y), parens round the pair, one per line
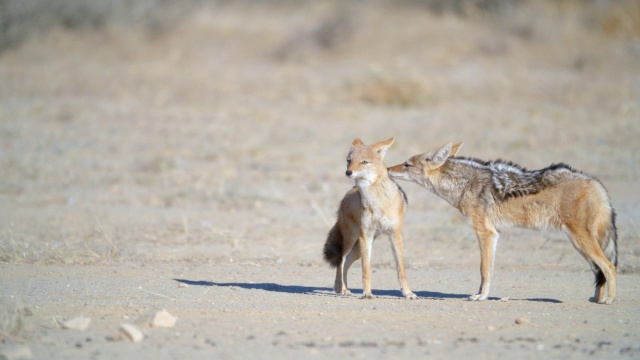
(509, 180)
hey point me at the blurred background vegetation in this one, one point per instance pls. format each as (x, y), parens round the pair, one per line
(22, 19)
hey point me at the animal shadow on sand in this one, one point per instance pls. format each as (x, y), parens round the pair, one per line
(325, 291)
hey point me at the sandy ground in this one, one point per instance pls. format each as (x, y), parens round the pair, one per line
(198, 171)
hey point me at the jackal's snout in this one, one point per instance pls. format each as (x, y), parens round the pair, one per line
(395, 170)
(348, 173)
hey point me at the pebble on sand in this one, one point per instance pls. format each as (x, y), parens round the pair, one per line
(78, 323)
(131, 332)
(163, 319)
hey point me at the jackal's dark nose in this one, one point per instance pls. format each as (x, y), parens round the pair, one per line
(349, 172)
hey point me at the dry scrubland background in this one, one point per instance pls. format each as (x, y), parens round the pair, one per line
(214, 132)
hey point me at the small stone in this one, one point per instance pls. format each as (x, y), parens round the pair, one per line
(504, 299)
(131, 332)
(491, 328)
(163, 319)
(523, 321)
(183, 285)
(78, 323)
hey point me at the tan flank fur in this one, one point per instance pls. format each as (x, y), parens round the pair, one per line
(493, 195)
(375, 205)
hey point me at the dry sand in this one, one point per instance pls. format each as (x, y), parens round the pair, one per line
(199, 170)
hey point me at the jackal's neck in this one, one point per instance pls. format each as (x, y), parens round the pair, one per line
(373, 192)
(451, 179)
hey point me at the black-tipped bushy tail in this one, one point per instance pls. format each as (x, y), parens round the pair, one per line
(333, 247)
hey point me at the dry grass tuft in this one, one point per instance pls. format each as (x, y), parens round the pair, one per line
(390, 92)
(39, 245)
(622, 20)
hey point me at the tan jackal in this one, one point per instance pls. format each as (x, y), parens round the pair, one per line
(375, 205)
(493, 195)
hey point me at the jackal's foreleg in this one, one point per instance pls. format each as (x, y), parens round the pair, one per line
(488, 241)
(396, 246)
(366, 243)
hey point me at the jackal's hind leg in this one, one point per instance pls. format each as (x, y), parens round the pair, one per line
(599, 293)
(340, 286)
(605, 273)
(603, 269)
(348, 261)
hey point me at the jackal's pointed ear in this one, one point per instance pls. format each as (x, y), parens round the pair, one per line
(436, 157)
(455, 148)
(357, 142)
(382, 147)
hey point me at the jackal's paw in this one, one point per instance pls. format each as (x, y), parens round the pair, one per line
(367, 296)
(345, 292)
(606, 301)
(410, 296)
(477, 297)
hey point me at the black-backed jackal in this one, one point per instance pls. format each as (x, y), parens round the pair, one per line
(493, 195)
(375, 205)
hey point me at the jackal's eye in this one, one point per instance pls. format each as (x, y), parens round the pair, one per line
(406, 165)
(348, 161)
(364, 162)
